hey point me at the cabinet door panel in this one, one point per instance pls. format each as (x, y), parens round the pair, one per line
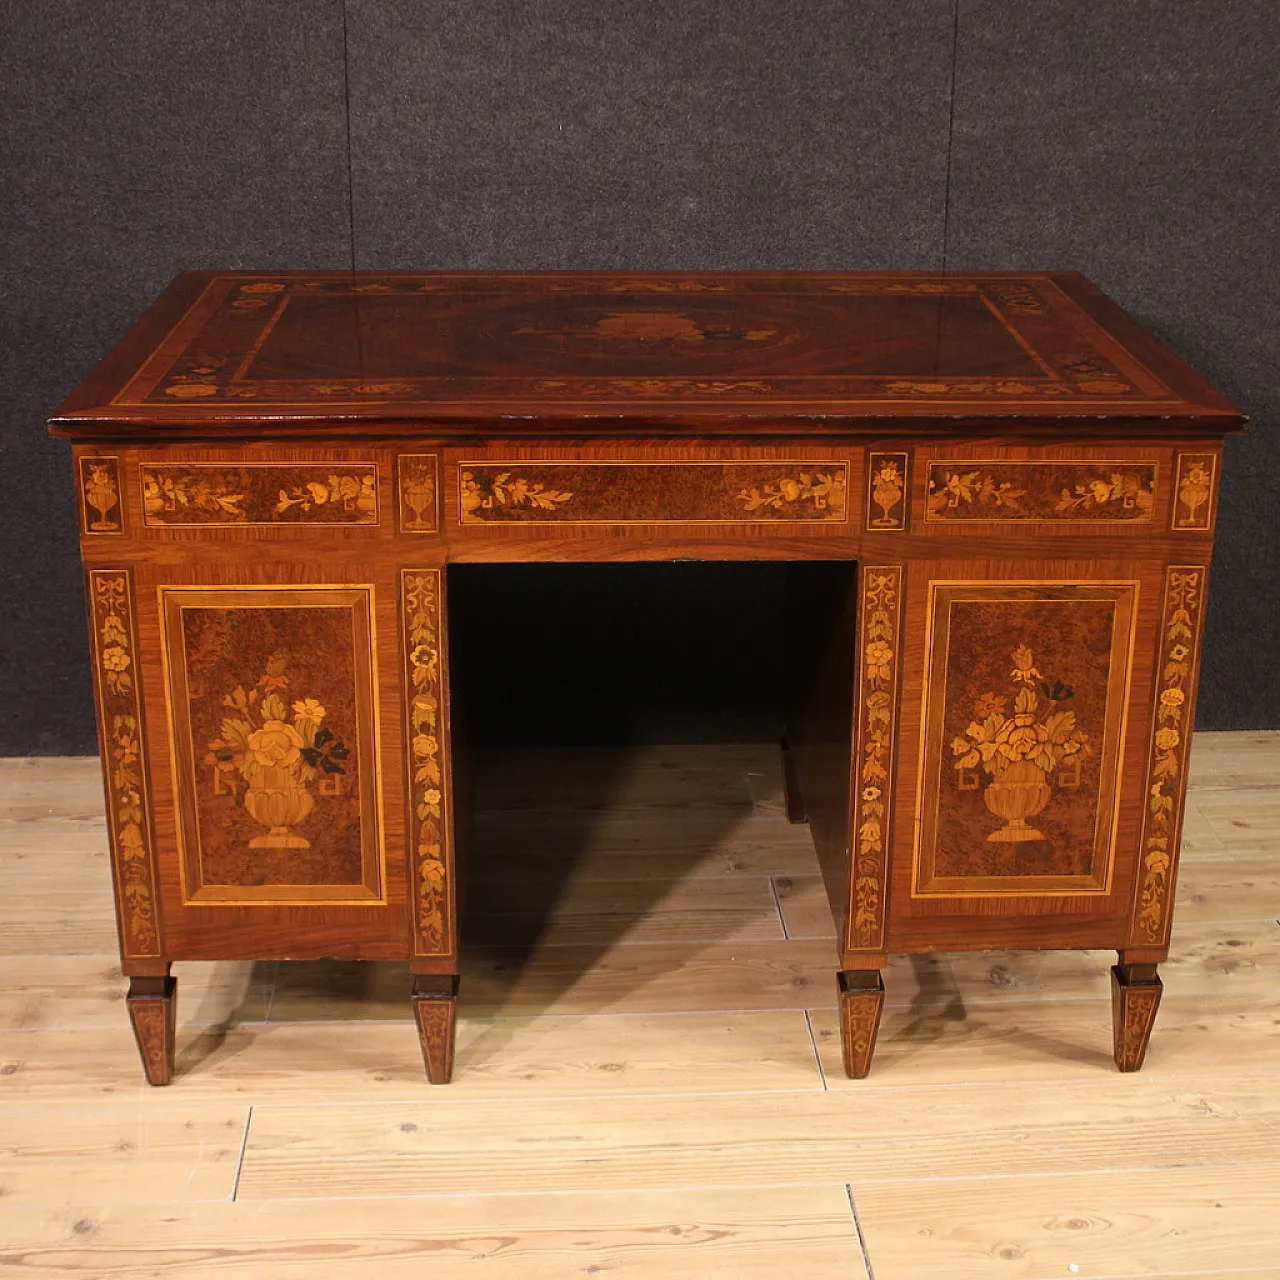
(274, 703)
(1027, 696)
(1024, 724)
(273, 725)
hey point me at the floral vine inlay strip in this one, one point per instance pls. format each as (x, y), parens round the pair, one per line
(1171, 741)
(199, 493)
(569, 492)
(878, 627)
(120, 732)
(1057, 490)
(420, 603)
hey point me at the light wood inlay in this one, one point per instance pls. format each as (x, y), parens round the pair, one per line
(101, 497)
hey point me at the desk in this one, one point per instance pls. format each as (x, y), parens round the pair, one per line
(996, 494)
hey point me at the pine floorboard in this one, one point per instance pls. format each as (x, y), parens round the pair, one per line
(648, 1080)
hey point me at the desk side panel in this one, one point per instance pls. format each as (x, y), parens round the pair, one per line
(821, 697)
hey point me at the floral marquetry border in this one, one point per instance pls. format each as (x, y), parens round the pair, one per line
(1171, 740)
(420, 606)
(192, 494)
(879, 624)
(114, 649)
(574, 492)
(1079, 490)
(822, 490)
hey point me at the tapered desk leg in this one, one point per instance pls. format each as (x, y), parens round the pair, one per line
(1135, 997)
(153, 1005)
(861, 1000)
(435, 1006)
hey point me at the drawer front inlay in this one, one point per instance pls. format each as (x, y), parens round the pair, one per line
(258, 493)
(652, 492)
(1075, 490)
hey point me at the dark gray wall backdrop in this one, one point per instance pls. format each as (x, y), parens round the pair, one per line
(1135, 140)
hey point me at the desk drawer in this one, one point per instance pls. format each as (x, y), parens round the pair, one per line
(194, 494)
(145, 493)
(794, 490)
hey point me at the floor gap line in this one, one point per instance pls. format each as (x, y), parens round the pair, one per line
(244, 1143)
(817, 1054)
(777, 906)
(857, 1227)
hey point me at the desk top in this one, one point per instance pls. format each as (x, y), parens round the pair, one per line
(224, 354)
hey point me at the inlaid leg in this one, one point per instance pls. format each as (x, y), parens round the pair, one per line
(435, 1005)
(861, 1000)
(791, 787)
(1135, 997)
(152, 1004)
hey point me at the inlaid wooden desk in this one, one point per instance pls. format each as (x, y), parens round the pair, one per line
(997, 493)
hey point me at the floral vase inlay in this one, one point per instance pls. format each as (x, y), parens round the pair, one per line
(277, 755)
(279, 801)
(1019, 750)
(101, 494)
(1019, 793)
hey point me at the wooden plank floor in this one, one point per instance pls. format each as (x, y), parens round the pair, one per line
(648, 1080)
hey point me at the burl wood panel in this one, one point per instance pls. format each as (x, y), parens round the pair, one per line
(197, 493)
(533, 492)
(271, 695)
(1026, 699)
(1085, 490)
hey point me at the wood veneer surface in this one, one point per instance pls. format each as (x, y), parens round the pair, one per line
(689, 352)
